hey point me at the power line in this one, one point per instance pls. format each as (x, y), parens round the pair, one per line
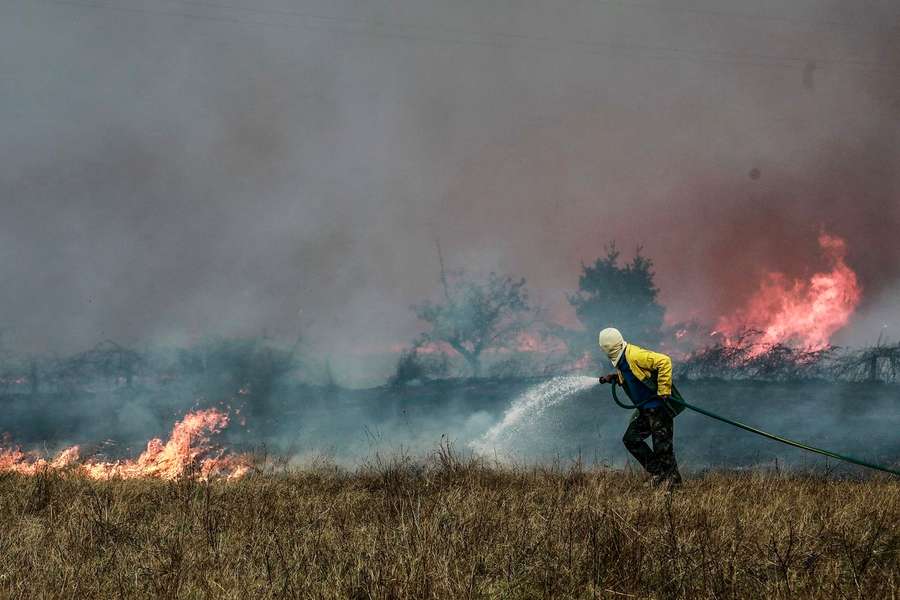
(491, 39)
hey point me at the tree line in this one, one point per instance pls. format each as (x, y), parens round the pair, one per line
(478, 325)
(492, 315)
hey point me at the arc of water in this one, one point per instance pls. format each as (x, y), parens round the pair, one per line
(527, 408)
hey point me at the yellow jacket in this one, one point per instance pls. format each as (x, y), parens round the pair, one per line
(649, 366)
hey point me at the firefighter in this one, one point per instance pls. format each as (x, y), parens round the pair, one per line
(646, 377)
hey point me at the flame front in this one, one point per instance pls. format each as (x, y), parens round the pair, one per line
(804, 313)
(187, 453)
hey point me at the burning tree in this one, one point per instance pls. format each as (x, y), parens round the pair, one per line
(476, 315)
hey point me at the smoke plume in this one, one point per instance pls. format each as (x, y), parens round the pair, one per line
(172, 170)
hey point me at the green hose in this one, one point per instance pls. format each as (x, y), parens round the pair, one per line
(765, 434)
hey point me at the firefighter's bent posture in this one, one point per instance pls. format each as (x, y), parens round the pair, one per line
(646, 377)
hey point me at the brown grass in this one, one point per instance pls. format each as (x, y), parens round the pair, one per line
(448, 529)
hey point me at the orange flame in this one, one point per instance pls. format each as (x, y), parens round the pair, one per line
(187, 453)
(803, 313)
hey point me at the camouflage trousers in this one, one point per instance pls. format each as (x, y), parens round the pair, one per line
(657, 423)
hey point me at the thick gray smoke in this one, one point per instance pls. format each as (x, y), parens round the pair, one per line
(173, 169)
(351, 426)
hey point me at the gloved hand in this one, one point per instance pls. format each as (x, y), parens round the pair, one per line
(611, 378)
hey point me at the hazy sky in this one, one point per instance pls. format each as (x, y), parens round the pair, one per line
(172, 169)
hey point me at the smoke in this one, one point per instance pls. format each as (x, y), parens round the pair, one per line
(172, 170)
(515, 421)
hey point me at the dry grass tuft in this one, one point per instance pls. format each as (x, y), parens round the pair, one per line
(449, 529)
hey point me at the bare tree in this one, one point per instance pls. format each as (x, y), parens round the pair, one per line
(476, 314)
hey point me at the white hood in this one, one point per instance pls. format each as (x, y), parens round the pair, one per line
(613, 344)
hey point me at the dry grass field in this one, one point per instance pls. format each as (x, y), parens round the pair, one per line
(449, 529)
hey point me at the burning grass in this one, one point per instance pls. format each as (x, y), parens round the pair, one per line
(448, 529)
(188, 452)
